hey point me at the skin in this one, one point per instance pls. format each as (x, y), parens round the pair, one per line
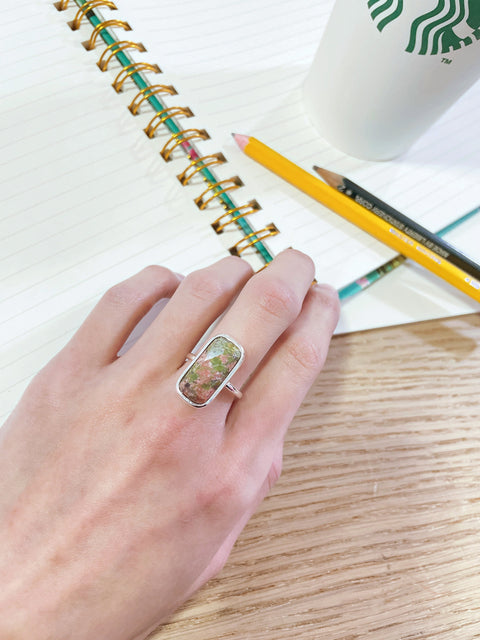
(118, 500)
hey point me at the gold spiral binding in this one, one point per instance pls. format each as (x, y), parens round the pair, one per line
(135, 67)
(229, 216)
(90, 44)
(252, 239)
(200, 163)
(166, 114)
(148, 92)
(226, 185)
(182, 136)
(115, 48)
(61, 5)
(85, 8)
(215, 189)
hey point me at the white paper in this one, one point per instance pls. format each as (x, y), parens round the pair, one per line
(86, 201)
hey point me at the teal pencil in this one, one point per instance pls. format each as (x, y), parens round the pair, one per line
(373, 276)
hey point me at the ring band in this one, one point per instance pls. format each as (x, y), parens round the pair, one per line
(210, 371)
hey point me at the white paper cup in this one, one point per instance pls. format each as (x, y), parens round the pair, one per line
(385, 70)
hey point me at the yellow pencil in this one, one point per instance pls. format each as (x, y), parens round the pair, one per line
(358, 215)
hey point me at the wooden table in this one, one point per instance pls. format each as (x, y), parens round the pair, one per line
(373, 530)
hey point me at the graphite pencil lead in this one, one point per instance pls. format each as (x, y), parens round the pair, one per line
(333, 179)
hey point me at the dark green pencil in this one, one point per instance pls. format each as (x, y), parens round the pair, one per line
(419, 234)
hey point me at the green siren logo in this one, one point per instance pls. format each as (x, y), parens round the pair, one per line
(450, 25)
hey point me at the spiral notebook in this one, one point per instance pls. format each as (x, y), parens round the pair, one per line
(116, 153)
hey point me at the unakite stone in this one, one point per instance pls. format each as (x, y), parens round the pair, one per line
(210, 370)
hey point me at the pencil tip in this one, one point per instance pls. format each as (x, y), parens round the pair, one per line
(333, 179)
(241, 140)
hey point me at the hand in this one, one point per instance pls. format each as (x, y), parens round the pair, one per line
(118, 499)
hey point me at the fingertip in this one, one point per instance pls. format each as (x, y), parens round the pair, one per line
(295, 254)
(327, 298)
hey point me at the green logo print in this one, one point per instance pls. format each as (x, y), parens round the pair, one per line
(452, 24)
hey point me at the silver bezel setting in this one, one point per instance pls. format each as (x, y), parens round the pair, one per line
(224, 382)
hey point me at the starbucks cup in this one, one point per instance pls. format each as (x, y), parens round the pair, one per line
(385, 70)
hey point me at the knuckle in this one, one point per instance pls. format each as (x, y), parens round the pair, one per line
(122, 295)
(212, 498)
(61, 376)
(204, 285)
(156, 273)
(239, 264)
(139, 288)
(224, 495)
(163, 435)
(230, 490)
(305, 356)
(278, 299)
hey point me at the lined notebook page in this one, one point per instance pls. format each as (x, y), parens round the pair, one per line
(242, 70)
(86, 200)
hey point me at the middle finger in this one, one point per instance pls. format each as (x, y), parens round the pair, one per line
(266, 307)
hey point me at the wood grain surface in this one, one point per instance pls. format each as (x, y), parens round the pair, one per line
(373, 530)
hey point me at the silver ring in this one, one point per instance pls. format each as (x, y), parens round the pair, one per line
(210, 371)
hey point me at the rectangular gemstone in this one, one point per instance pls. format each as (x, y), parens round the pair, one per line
(210, 371)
